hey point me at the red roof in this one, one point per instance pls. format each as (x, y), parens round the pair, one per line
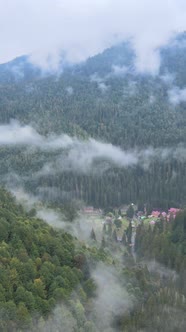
(155, 214)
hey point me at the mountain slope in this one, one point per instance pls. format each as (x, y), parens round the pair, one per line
(107, 99)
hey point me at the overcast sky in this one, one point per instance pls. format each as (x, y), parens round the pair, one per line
(85, 27)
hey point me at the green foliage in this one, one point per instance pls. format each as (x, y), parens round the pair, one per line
(41, 267)
(36, 266)
(130, 211)
(166, 242)
(118, 223)
(70, 211)
(33, 284)
(123, 115)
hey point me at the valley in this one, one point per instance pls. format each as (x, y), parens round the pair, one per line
(93, 194)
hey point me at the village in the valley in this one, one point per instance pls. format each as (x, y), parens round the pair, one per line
(119, 220)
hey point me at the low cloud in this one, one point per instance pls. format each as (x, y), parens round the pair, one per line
(130, 89)
(177, 95)
(152, 99)
(29, 201)
(97, 157)
(168, 78)
(148, 61)
(103, 87)
(61, 320)
(96, 78)
(90, 156)
(73, 154)
(100, 82)
(80, 227)
(13, 134)
(161, 270)
(79, 155)
(70, 90)
(80, 29)
(119, 70)
(112, 297)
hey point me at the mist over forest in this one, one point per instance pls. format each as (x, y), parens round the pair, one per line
(93, 166)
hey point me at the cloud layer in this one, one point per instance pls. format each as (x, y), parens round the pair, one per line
(73, 154)
(15, 134)
(82, 28)
(177, 95)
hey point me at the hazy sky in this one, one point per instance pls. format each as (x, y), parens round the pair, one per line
(85, 27)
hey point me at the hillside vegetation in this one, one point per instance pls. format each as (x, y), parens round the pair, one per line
(107, 99)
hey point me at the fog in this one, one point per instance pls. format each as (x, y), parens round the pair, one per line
(79, 228)
(78, 29)
(177, 95)
(96, 158)
(163, 271)
(82, 156)
(112, 297)
(14, 133)
(70, 90)
(119, 70)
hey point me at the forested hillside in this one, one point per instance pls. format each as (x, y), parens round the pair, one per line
(93, 166)
(107, 99)
(50, 280)
(165, 242)
(40, 268)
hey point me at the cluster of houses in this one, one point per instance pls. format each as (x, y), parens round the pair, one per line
(165, 215)
(159, 214)
(140, 215)
(91, 211)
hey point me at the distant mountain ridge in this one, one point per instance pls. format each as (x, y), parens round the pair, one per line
(18, 70)
(22, 68)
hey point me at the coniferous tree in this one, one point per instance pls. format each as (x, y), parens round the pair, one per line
(129, 233)
(93, 235)
(114, 236)
(130, 212)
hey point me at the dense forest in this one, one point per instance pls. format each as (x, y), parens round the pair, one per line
(40, 268)
(98, 137)
(52, 281)
(105, 99)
